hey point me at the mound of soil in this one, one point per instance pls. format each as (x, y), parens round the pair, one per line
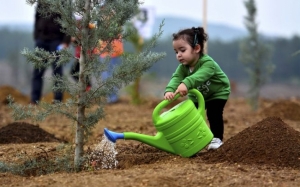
(21, 132)
(18, 96)
(284, 109)
(269, 142)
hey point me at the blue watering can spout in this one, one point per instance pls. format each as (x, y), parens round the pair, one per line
(113, 136)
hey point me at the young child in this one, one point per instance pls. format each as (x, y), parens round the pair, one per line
(200, 71)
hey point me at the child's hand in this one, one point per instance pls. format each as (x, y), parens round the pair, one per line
(169, 96)
(182, 90)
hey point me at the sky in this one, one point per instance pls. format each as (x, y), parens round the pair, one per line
(278, 18)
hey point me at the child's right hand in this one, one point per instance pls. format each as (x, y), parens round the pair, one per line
(169, 96)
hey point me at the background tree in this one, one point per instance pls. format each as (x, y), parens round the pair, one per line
(296, 53)
(137, 41)
(109, 17)
(255, 55)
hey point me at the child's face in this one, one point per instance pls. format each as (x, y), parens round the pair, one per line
(185, 54)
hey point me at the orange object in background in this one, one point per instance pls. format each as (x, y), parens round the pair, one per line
(92, 25)
(117, 48)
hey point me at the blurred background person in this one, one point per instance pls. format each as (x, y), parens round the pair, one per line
(115, 59)
(47, 36)
(116, 49)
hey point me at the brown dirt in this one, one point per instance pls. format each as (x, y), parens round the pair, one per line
(6, 90)
(20, 98)
(285, 109)
(260, 149)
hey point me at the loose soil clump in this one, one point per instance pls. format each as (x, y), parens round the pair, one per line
(21, 132)
(269, 142)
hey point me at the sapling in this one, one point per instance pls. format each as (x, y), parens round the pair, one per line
(86, 108)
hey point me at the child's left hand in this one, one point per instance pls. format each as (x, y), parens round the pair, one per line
(182, 90)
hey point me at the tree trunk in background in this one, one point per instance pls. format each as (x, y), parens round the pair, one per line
(136, 98)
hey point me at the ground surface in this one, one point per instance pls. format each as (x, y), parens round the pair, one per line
(261, 148)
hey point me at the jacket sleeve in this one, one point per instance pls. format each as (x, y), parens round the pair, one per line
(176, 79)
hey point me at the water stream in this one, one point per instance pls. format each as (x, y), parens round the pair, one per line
(104, 155)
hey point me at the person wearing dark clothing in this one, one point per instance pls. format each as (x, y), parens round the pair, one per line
(47, 36)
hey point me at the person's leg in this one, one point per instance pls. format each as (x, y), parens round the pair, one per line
(37, 85)
(75, 70)
(214, 111)
(113, 97)
(74, 73)
(37, 81)
(57, 71)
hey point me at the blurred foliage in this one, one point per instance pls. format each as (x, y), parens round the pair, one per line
(137, 42)
(255, 55)
(225, 53)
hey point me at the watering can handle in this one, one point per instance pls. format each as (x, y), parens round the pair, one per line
(164, 103)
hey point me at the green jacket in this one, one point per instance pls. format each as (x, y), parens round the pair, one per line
(207, 77)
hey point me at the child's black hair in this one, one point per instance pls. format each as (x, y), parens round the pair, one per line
(193, 36)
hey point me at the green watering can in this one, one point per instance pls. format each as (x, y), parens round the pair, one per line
(182, 130)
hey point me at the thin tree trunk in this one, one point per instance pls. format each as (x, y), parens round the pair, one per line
(136, 85)
(79, 139)
(136, 91)
(256, 87)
